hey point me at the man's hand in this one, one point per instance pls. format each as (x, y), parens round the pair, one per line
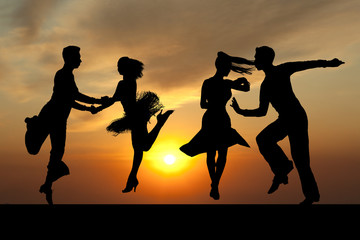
(234, 104)
(335, 62)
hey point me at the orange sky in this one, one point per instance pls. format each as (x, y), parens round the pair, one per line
(178, 42)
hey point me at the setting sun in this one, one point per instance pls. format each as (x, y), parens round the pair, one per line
(169, 159)
(166, 159)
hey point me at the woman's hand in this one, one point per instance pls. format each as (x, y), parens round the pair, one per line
(94, 110)
(243, 84)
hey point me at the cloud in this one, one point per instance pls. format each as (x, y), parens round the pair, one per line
(31, 15)
(177, 40)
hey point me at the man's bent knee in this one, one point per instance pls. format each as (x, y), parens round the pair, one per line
(261, 140)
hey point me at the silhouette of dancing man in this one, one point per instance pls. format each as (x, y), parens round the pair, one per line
(139, 108)
(216, 133)
(52, 119)
(292, 121)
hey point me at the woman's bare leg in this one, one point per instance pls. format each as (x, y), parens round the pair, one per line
(210, 161)
(220, 164)
(142, 141)
(152, 135)
(136, 138)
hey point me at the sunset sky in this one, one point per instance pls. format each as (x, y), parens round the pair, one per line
(177, 40)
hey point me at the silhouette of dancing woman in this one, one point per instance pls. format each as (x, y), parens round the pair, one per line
(52, 119)
(216, 133)
(292, 121)
(139, 108)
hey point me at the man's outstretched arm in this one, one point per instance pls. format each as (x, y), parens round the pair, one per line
(293, 67)
(81, 107)
(86, 99)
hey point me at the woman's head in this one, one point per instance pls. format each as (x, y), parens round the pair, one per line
(224, 65)
(130, 67)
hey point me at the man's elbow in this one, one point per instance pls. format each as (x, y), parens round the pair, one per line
(261, 113)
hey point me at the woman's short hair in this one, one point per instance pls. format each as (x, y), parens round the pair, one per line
(131, 66)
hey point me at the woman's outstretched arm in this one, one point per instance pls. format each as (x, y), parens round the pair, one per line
(107, 102)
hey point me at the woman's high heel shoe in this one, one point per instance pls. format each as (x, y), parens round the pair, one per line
(162, 117)
(130, 185)
(48, 193)
(214, 193)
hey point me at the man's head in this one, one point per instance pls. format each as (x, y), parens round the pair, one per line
(264, 57)
(71, 56)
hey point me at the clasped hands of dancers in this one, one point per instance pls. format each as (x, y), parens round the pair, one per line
(216, 133)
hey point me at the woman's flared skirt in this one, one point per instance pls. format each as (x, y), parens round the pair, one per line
(205, 141)
(147, 105)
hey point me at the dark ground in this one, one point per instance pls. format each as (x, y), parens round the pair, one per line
(215, 221)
